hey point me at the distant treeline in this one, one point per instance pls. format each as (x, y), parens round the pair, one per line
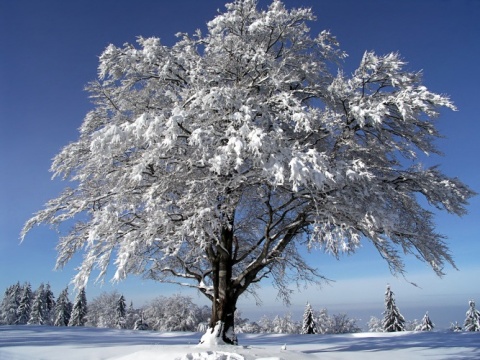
(20, 305)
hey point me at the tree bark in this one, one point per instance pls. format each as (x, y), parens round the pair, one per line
(225, 297)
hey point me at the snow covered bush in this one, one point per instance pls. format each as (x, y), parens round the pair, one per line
(285, 325)
(375, 324)
(342, 324)
(208, 163)
(102, 310)
(174, 313)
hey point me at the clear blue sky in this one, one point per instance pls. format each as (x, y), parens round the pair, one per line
(49, 51)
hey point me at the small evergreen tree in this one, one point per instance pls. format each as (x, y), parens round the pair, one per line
(132, 316)
(426, 324)
(25, 305)
(37, 315)
(141, 324)
(79, 311)
(309, 326)
(455, 327)
(49, 305)
(121, 312)
(472, 320)
(63, 309)
(392, 320)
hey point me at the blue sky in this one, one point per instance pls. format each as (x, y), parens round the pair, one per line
(50, 51)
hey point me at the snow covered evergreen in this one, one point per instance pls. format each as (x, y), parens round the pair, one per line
(10, 303)
(49, 303)
(472, 318)
(426, 324)
(25, 305)
(38, 313)
(79, 312)
(63, 309)
(308, 325)
(121, 313)
(392, 320)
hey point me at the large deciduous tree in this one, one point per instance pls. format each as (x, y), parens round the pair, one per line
(209, 162)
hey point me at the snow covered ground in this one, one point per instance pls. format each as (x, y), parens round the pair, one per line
(52, 343)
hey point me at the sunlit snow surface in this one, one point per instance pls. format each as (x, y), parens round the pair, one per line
(52, 343)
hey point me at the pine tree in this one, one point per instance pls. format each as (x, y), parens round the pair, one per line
(472, 320)
(10, 304)
(455, 327)
(426, 324)
(121, 312)
(393, 320)
(49, 305)
(25, 305)
(132, 316)
(37, 315)
(79, 311)
(63, 309)
(309, 326)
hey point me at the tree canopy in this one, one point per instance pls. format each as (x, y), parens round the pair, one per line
(209, 162)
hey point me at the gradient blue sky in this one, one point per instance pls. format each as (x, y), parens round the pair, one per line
(49, 51)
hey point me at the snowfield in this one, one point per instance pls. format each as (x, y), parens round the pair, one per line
(83, 343)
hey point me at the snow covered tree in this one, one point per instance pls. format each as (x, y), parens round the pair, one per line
(79, 310)
(426, 324)
(10, 303)
(308, 325)
(63, 309)
(285, 325)
(472, 318)
(25, 305)
(132, 316)
(342, 324)
(49, 303)
(455, 327)
(102, 310)
(208, 162)
(37, 314)
(265, 324)
(141, 324)
(174, 313)
(375, 324)
(121, 313)
(392, 319)
(411, 325)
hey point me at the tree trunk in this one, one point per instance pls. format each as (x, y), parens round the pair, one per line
(225, 298)
(223, 311)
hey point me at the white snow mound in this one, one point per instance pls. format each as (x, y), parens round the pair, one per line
(212, 355)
